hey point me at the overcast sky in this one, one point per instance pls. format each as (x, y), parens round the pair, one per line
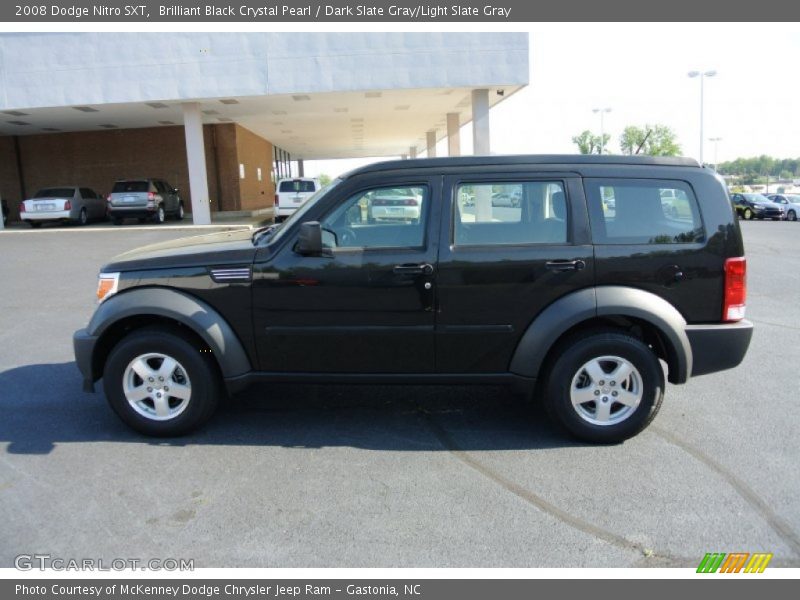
(640, 71)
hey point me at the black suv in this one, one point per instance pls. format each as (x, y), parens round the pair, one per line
(580, 301)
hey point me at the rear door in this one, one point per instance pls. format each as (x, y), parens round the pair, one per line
(365, 307)
(511, 244)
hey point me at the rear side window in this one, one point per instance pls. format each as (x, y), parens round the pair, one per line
(297, 185)
(87, 193)
(643, 211)
(130, 186)
(501, 213)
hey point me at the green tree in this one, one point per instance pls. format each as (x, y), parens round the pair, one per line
(661, 140)
(588, 143)
(324, 179)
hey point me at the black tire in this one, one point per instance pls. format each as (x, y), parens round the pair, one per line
(566, 368)
(194, 366)
(35, 224)
(180, 212)
(160, 216)
(791, 216)
(748, 214)
(83, 217)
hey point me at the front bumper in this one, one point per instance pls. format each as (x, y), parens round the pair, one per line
(718, 347)
(83, 344)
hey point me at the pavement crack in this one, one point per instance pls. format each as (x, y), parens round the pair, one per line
(531, 498)
(777, 523)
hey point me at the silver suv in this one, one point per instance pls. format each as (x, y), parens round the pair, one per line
(145, 199)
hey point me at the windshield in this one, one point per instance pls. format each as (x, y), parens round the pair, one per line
(756, 198)
(274, 234)
(55, 193)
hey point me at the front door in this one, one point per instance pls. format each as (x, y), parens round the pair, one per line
(367, 305)
(511, 244)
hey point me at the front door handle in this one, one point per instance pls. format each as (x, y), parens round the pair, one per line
(565, 265)
(410, 269)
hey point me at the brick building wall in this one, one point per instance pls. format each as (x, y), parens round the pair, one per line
(96, 159)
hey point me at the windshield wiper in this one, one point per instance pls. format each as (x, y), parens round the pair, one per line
(264, 231)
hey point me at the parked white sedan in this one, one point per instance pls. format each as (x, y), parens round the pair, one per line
(62, 203)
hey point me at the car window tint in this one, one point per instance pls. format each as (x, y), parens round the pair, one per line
(498, 213)
(297, 185)
(55, 193)
(130, 186)
(637, 211)
(389, 217)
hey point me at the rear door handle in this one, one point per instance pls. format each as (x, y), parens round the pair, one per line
(565, 265)
(424, 269)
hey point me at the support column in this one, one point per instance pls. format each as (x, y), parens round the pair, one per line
(412, 152)
(301, 171)
(480, 123)
(196, 159)
(431, 139)
(453, 134)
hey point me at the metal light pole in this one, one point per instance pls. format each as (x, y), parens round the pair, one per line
(702, 76)
(602, 135)
(716, 141)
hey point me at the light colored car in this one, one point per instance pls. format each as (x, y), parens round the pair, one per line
(62, 203)
(790, 204)
(403, 206)
(292, 193)
(144, 199)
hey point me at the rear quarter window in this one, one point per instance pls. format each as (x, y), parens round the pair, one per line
(643, 211)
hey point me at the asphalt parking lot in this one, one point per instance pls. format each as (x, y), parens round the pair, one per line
(311, 476)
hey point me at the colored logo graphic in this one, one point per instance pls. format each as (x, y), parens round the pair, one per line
(736, 562)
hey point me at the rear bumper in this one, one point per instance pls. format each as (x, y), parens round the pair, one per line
(285, 211)
(130, 213)
(46, 215)
(83, 344)
(718, 347)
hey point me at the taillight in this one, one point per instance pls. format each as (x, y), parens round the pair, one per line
(67, 205)
(22, 207)
(735, 289)
(108, 198)
(151, 195)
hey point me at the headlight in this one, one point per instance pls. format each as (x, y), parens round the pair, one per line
(106, 285)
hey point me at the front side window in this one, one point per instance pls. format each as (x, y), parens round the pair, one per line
(640, 211)
(388, 217)
(501, 213)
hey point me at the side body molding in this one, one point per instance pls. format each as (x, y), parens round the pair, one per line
(604, 301)
(187, 310)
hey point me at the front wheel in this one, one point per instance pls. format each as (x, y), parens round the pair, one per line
(748, 214)
(792, 216)
(605, 387)
(161, 383)
(160, 215)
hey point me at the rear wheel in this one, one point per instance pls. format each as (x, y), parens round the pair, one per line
(160, 215)
(160, 384)
(605, 387)
(83, 217)
(179, 214)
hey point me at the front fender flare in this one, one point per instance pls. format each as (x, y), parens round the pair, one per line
(191, 312)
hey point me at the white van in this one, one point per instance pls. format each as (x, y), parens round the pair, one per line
(291, 193)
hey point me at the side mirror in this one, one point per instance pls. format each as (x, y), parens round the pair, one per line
(309, 242)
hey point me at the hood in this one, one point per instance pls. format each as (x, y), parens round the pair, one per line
(225, 247)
